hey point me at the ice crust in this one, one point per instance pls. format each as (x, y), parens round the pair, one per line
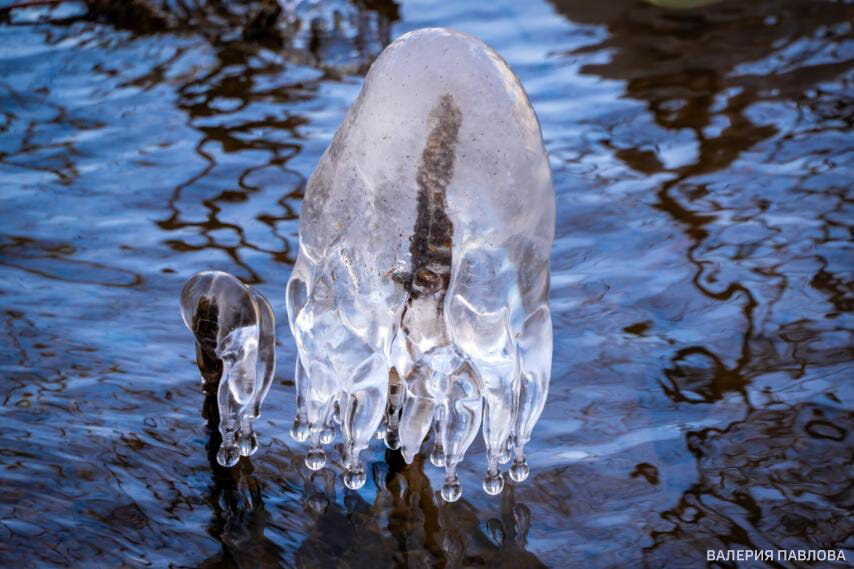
(235, 335)
(419, 298)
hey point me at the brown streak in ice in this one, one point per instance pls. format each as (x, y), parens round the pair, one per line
(432, 236)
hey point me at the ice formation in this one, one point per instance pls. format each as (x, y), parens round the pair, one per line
(236, 352)
(419, 299)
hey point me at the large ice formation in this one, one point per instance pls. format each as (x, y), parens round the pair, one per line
(236, 352)
(419, 298)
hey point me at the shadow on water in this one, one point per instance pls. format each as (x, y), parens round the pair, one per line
(236, 499)
(407, 525)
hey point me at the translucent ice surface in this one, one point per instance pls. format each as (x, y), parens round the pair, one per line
(419, 299)
(235, 349)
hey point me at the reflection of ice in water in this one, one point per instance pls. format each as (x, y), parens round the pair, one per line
(235, 346)
(420, 295)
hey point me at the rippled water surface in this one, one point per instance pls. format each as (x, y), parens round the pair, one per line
(702, 287)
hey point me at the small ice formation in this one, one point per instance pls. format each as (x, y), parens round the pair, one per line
(236, 352)
(419, 299)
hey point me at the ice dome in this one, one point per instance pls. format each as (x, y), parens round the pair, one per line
(419, 296)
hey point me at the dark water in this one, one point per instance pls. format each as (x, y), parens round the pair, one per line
(702, 289)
